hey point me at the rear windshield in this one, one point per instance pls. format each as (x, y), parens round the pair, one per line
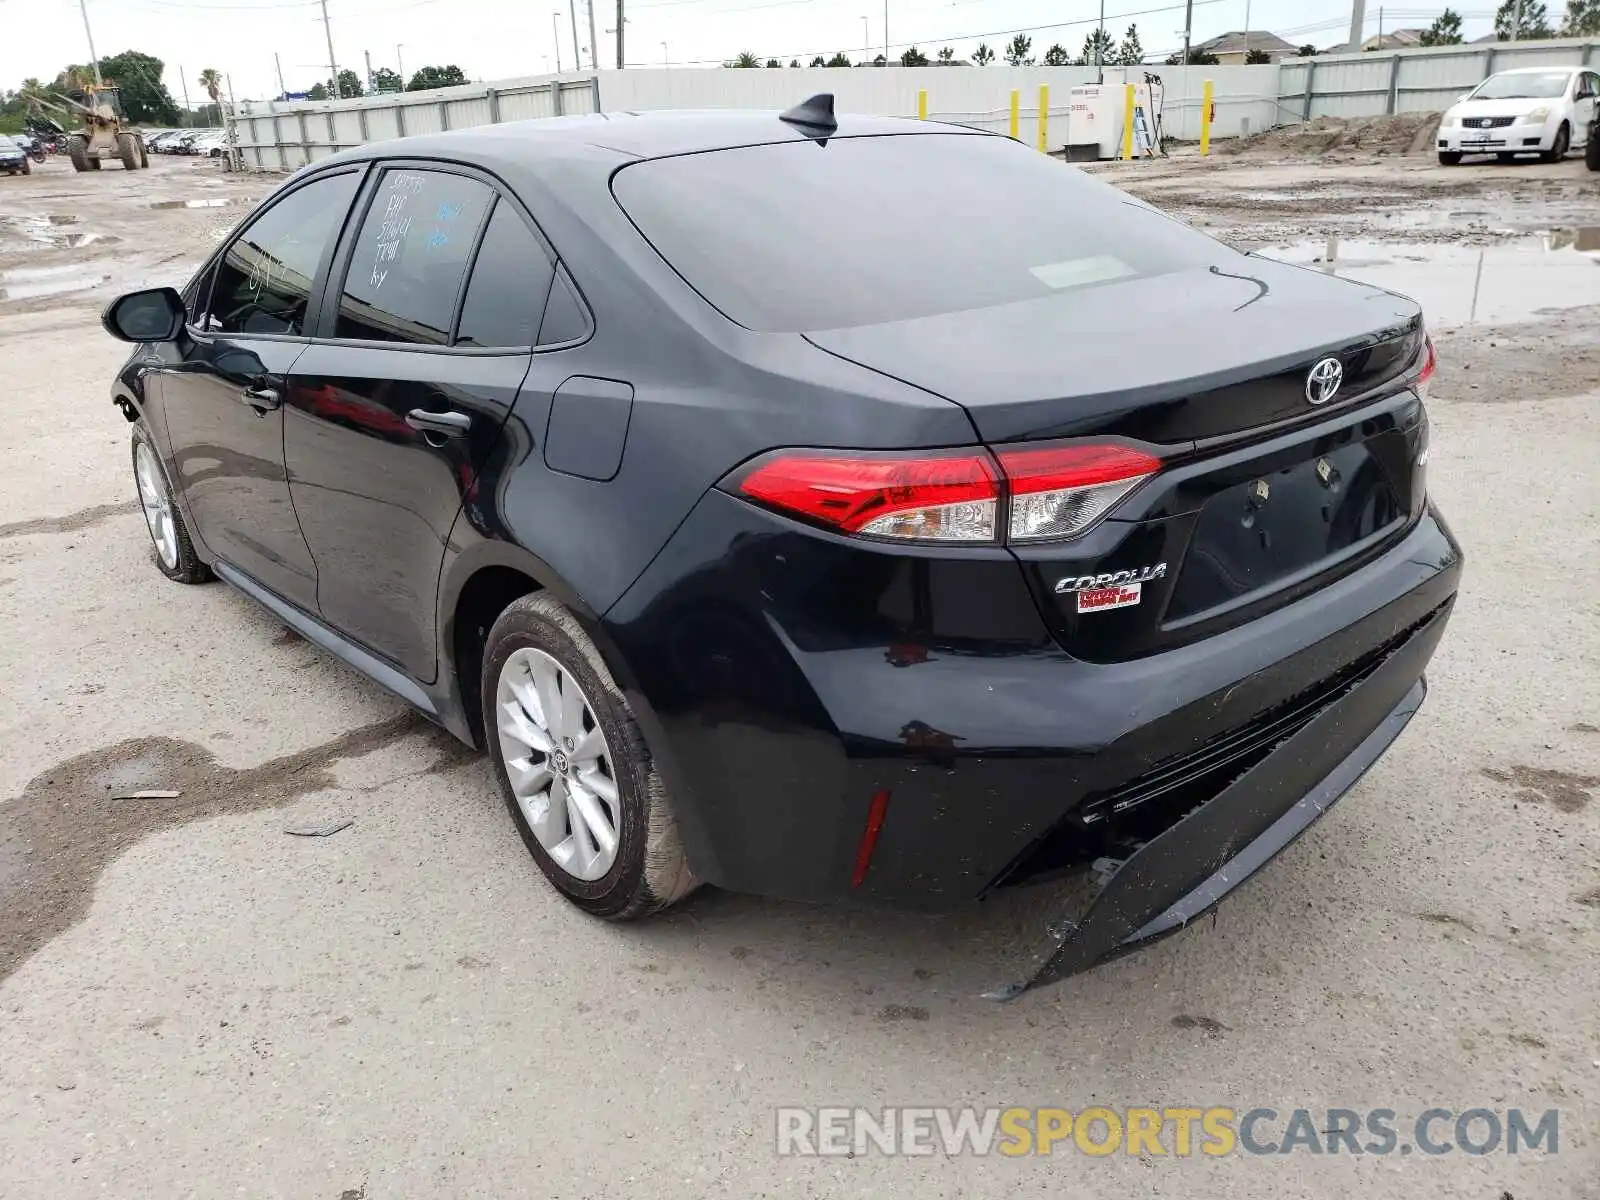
(1517, 86)
(801, 235)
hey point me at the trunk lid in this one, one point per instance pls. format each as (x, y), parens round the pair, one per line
(1262, 497)
(1165, 358)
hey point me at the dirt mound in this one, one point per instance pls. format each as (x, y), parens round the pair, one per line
(1404, 133)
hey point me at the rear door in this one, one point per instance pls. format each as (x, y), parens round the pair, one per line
(392, 409)
(223, 384)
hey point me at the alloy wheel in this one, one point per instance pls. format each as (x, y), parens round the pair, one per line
(558, 763)
(157, 505)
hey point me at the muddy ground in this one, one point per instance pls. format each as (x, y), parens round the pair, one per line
(195, 1003)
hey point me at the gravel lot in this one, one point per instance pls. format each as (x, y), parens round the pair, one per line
(194, 1004)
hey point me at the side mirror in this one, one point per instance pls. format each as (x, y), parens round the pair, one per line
(156, 315)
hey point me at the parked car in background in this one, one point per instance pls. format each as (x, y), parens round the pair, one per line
(165, 141)
(211, 142)
(1527, 110)
(13, 157)
(759, 545)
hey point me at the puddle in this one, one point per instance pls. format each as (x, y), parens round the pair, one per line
(214, 202)
(29, 283)
(51, 231)
(1465, 285)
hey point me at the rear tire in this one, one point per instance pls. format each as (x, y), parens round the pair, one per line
(544, 678)
(169, 536)
(1563, 143)
(78, 151)
(1449, 158)
(1591, 149)
(128, 151)
(27, 167)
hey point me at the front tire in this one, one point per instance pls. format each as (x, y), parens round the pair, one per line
(1558, 149)
(128, 151)
(1449, 158)
(1591, 148)
(574, 768)
(174, 551)
(78, 152)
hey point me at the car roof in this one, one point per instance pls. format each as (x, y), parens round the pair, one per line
(1550, 70)
(633, 134)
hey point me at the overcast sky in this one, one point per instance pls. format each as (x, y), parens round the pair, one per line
(498, 39)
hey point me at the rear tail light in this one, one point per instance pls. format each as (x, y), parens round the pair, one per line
(1059, 491)
(916, 497)
(1430, 364)
(1048, 492)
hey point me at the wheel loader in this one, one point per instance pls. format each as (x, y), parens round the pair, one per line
(102, 136)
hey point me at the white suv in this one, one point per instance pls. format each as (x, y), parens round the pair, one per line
(1529, 110)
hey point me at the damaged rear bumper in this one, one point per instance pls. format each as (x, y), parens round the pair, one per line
(1188, 868)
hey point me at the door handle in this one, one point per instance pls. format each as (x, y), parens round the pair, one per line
(443, 424)
(262, 399)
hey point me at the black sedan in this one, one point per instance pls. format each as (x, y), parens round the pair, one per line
(852, 510)
(13, 156)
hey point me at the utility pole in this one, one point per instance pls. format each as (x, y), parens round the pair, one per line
(555, 36)
(367, 54)
(400, 65)
(577, 58)
(333, 64)
(621, 23)
(886, 32)
(1099, 47)
(1246, 31)
(1188, 28)
(1516, 22)
(866, 38)
(594, 41)
(277, 62)
(183, 81)
(1380, 27)
(1358, 23)
(83, 7)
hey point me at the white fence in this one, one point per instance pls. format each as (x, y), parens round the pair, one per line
(1426, 79)
(278, 136)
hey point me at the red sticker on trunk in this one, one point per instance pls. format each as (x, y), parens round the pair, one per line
(1101, 599)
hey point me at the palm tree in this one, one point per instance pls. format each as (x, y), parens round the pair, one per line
(746, 59)
(211, 80)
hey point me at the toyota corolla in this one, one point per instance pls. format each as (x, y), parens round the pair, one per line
(843, 509)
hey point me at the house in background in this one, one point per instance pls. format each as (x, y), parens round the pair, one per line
(1231, 48)
(1396, 39)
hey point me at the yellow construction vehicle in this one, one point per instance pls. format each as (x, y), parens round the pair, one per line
(102, 135)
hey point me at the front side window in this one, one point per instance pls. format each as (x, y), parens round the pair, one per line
(264, 280)
(411, 256)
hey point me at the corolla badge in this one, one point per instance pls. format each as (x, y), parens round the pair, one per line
(1091, 583)
(1322, 384)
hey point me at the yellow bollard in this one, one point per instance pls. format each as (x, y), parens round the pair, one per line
(1044, 118)
(922, 105)
(1129, 100)
(1205, 118)
(1016, 110)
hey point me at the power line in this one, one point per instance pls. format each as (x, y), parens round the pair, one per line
(963, 37)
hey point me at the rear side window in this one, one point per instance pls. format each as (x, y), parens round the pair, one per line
(410, 257)
(800, 235)
(510, 280)
(264, 280)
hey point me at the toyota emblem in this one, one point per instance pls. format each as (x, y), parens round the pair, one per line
(1322, 384)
